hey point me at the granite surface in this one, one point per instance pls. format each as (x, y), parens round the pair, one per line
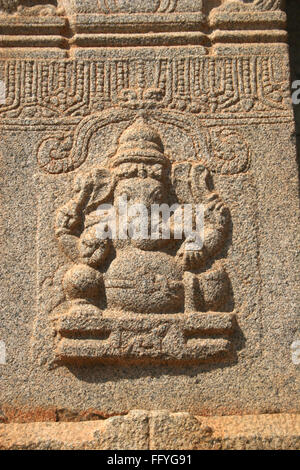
(169, 102)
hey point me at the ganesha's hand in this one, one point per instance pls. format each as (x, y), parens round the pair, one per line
(215, 212)
(68, 217)
(93, 249)
(191, 254)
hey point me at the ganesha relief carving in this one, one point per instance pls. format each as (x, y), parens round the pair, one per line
(142, 298)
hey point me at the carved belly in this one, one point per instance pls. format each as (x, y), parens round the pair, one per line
(144, 282)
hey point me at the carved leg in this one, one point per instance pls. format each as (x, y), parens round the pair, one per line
(193, 301)
(83, 287)
(215, 288)
(207, 291)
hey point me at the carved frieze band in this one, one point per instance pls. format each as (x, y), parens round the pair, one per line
(261, 5)
(89, 94)
(130, 6)
(215, 86)
(39, 9)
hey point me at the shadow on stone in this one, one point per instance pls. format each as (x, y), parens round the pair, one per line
(293, 18)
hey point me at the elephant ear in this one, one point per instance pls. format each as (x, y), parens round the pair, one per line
(102, 183)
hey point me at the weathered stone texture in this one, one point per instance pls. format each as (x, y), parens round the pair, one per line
(158, 430)
(169, 102)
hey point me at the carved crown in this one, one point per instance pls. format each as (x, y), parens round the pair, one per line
(140, 143)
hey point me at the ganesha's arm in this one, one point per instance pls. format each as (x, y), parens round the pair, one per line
(211, 234)
(216, 223)
(69, 218)
(215, 214)
(66, 227)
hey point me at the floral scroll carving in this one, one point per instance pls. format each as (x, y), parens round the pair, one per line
(221, 150)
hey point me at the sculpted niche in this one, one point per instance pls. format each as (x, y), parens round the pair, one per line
(146, 295)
